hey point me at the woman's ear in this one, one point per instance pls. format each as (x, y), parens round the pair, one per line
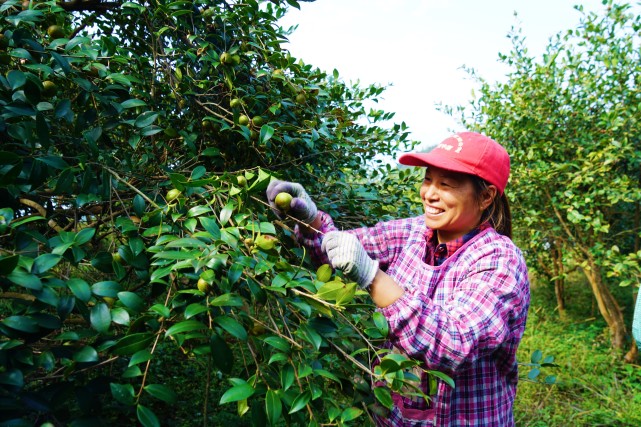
(488, 196)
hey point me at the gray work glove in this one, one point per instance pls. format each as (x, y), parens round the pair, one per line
(346, 253)
(302, 207)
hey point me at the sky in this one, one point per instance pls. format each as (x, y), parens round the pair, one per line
(419, 47)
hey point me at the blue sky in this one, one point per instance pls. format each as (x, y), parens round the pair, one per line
(419, 47)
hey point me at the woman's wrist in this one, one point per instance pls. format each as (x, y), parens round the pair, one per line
(384, 290)
(313, 227)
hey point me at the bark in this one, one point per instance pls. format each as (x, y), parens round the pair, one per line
(559, 283)
(608, 307)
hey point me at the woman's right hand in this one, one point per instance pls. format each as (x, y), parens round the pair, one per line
(301, 207)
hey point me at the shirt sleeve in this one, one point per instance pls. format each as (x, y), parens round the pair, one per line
(485, 313)
(382, 242)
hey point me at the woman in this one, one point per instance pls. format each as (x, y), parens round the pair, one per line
(451, 283)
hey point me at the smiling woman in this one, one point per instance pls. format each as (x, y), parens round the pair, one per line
(451, 284)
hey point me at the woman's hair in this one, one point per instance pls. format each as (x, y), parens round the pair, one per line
(498, 212)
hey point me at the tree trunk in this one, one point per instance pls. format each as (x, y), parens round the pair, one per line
(559, 282)
(608, 307)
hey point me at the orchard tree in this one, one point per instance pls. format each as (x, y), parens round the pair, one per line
(138, 259)
(571, 124)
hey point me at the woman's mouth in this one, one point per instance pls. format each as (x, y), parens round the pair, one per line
(432, 210)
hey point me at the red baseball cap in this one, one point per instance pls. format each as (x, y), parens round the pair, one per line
(467, 152)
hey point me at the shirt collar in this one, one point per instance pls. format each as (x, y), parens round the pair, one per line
(437, 253)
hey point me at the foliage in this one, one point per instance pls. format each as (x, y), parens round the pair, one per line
(138, 139)
(570, 123)
(592, 386)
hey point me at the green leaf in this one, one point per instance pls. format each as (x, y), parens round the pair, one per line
(16, 79)
(300, 401)
(194, 309)
(162, 392)
(326, 374)
(12, 377)
(324, 273)
(123, 393)
(84, 236)
(380, 321)
(227, 300)
(8, 264)
(21, 323)
(185, 326)
(266, 132)
(536, 357)
(443, 377)
(26, 280)
(384, 396)
(210, 226)
(146, 119)
(240, 391)
(287, 377)
(132, 301)
(140, 356)
(86, 354)
(132, 343)
(232, 327)
(100, 317)
(132, 103)
(106, 289)
(80, 289)
(273, 407)
(222, 356)
(278, 343)
(147, 417)
(350, 414)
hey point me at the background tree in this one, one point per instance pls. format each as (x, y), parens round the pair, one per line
(136, 251)
(570, 122)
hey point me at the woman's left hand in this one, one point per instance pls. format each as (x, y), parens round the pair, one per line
(345, 252)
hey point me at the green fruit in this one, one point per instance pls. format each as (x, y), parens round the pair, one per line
(249, 241)
(203, 286)
(301, 98)
(235, 103)
(207, 125)
(226, 59)
(116, 257)
(241, 181)
(283, 201)
(243, 120)
(258, 121)
(172, 194)
(208, 13)
(56, 31)
(235, 59)
(49, 88)
(266, 242)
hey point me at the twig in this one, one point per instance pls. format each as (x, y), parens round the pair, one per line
(143, 195)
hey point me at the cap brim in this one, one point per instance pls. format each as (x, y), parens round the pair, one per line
(434, 160)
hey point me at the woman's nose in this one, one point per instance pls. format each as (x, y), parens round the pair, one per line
(430, 192)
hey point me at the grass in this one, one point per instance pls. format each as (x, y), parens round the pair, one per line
(594, 387)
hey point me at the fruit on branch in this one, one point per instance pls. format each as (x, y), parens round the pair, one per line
(172, 194)
(283, 201)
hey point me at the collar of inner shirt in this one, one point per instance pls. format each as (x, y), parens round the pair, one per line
(437, 253)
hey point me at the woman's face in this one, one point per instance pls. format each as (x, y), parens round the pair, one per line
(451, 205)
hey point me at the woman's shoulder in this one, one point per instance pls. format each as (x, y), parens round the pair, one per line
(490, 242)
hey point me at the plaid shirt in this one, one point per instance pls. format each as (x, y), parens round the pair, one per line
(464, 317)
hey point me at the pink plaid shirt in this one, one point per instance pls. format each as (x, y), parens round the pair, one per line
(464, 317)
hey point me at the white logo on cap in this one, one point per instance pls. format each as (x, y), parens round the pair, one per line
(448, 147)
(460, 143)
